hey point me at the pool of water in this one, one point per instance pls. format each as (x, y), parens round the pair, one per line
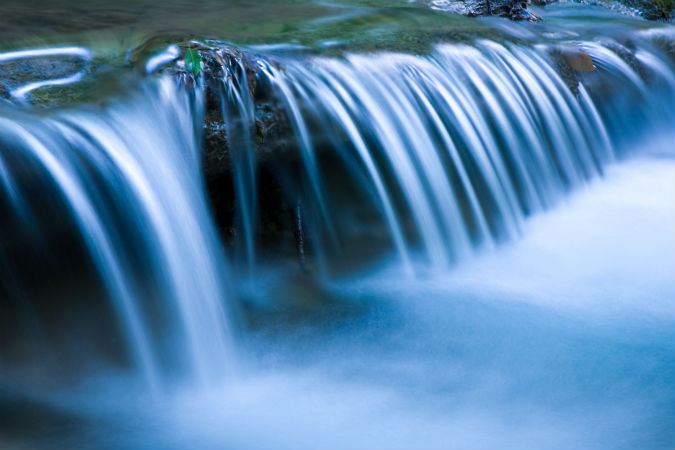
(562, 339)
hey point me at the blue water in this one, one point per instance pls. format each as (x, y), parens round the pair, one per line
(562, 339)
(489, 243)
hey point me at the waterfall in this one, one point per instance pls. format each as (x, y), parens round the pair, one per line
(453, 150)
(471, 139)
(130, 177)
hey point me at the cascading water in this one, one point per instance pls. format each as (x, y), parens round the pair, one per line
(472, 138)
(126, 173)
(467, 142)
(117, 234)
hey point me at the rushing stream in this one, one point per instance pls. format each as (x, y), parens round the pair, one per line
(459, 241)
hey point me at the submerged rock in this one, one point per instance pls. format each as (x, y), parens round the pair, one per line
(21, 72)
(577, 58)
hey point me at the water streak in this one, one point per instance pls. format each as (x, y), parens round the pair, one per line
(138, 163)
(472, 138)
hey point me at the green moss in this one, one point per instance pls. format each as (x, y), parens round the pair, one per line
(123, 24)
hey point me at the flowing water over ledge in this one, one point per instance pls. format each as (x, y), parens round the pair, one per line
(504, 212)
(551, 349)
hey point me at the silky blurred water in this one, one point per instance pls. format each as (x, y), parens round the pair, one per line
(563, 339)
(559, 333)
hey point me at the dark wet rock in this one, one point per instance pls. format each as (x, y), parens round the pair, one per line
(517, 10)
(278, 161)
(571, 62)
(651, 9)
(626, 51)
(269, 132)
(648, 9)
(32, 69)
(271, 135)
(514, 10)
(23, 71)
(65, 80)
(565, 70)
(663, 40)
(5, 91)
(577, 58)
(266, 132)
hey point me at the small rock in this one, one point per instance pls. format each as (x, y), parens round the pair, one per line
(577, 58)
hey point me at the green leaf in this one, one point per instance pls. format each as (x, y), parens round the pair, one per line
(193, 61)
